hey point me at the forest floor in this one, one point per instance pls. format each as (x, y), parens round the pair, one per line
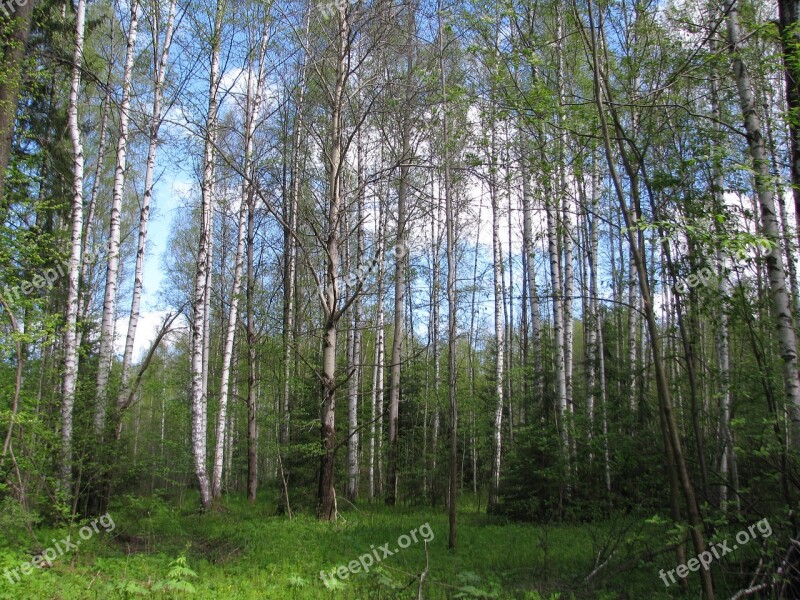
(158, 550)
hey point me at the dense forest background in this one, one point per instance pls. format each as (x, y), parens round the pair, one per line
(523, 263)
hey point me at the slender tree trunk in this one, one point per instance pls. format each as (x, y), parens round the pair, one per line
(508, 302)
(376, 426)
(353, 438)
(17, 382)
(255, 83)
(144, 213)
(290, 252)
(558, 319)
(112, 270)
(88, 223)
(252, 368)
(673, 444)
(436, 220)
(499, 325)
(727, 452)
(592, 327)
(563, 220)
(400, 261)
(76, 257)
(533, 294)
(452, 301)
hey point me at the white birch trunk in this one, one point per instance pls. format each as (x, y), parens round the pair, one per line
(376, 427)
(355, 378)
(70, 329)
(112, 269)
(255, 84)
(499, 325)
(781, 304)
(202, 280)
(144, 214)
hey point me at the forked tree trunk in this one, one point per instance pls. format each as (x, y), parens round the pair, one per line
(326, 494)
(200, 321)
(144, 212)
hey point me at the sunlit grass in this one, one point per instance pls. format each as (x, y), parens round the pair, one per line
(242, 551)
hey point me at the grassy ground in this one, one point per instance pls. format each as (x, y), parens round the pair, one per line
(240, 552)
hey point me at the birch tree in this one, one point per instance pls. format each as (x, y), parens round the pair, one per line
(781, 304)
(200, 321)
(76, 256)
(256, 73)
(113, 254)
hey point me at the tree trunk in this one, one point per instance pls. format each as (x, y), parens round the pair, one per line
(76, 258)
(326, 494)
(144, 213)
(13, 56)
(400, 261)
(781, 305)
(106, 351)
(355, 377)
(499, 325)
(200, 321)
(452, 302)
(376, 426)
(255, 83)
(789, 19)
(290, 253)
(530, 270)
(669, 426)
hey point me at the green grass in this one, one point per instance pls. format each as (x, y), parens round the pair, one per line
(242, 552)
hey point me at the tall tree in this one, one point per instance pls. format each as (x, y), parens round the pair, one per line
(70, 328)
(200, 320)
(410, 9)
(781, 304)
(112, 258)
